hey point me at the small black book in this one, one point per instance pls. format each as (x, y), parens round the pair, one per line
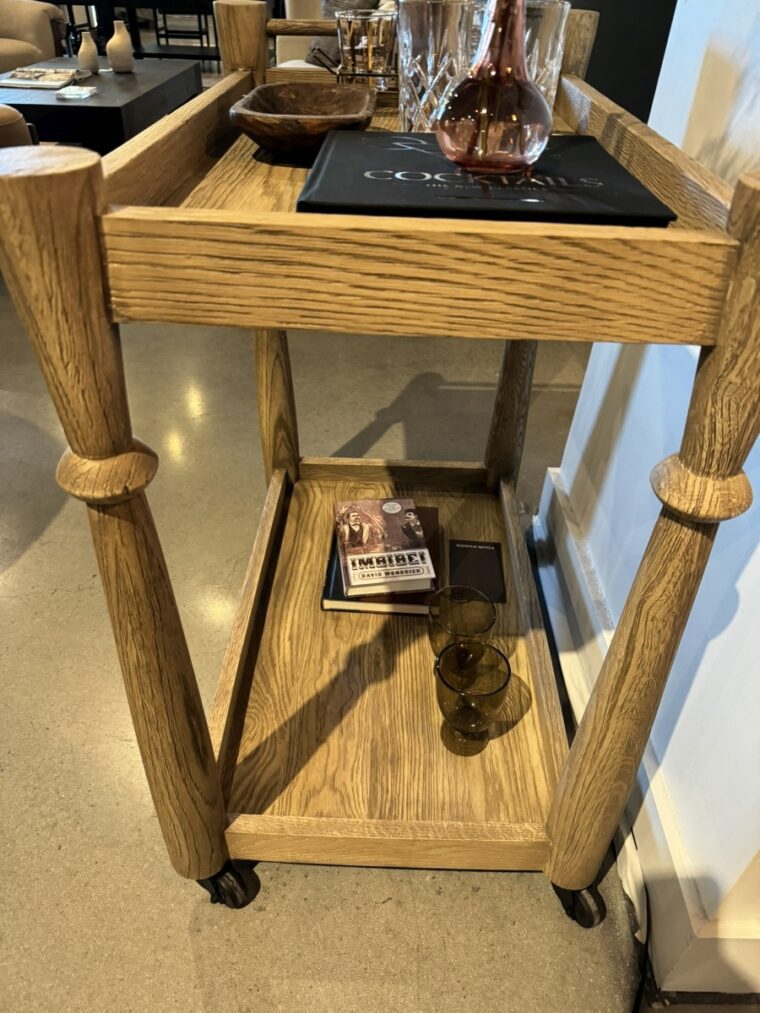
(575, 181)
(478, 565)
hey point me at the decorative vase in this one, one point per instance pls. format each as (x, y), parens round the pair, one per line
(496, 120)
(119, 50)
(87, 55)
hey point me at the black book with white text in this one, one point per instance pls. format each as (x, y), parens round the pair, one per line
(575, 181)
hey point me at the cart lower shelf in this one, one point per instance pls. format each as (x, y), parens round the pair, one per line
(334, 752)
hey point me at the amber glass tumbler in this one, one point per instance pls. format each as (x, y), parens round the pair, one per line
(457, 613)
(471, 686)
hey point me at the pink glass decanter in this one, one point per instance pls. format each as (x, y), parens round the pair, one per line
(496, 120)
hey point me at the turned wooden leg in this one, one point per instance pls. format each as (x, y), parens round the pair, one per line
(699, 487)
(509, 419)
(277, 405)
(50, 199)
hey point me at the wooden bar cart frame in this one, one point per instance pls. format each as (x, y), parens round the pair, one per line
(323, 742)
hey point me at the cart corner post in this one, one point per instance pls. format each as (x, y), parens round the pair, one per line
(50, 253)
(701, 486)
(242, 30)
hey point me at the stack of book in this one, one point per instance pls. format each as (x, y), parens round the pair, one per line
(384, 557)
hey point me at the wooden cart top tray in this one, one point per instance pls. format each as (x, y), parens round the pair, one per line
(227, 222)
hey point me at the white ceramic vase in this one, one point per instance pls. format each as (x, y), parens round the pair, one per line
(87, 56)
(119, 50)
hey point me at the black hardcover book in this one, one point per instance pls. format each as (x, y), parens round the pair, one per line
(574, 181)
(478, 565)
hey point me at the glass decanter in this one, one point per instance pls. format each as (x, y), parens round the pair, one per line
(496, 120)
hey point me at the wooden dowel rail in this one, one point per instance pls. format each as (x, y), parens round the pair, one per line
(294, 27)
(581, 30)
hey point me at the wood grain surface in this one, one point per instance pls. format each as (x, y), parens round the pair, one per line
(579, 42)
(248, 179)
(450, 475)
(406, 276)
(233, 684)
(724, 413)
(166, 708)
(242, 34)
(107, 479)
(608, 746)
(277, 406)
(700, 198)
(700, 497)
(342, 721)
(167, 160)
(402, 844)
(63, 310)
(531, 623)
(509, 418)
(293, 26)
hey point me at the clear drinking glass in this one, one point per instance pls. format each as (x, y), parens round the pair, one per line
(367, 43)
(438, 40)
(471, 681)
(545, 31)
(458, 613)
(434, 54)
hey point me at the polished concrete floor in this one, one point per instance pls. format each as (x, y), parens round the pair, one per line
(93, 918)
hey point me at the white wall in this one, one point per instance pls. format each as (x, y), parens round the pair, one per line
(708, 95)
(630, 416)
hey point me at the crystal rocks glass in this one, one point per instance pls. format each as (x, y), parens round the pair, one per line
(367, 43)
(457, 614)
(545, 30)
(434, 54)
(471, 681)
(438, 40)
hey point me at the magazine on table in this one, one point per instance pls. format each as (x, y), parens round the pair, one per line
(38, 77)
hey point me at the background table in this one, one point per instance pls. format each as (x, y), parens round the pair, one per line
(124, 104)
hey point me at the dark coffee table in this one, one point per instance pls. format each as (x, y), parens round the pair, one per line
(124, 104)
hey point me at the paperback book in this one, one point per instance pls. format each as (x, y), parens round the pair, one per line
(334, 598)
(382, 548)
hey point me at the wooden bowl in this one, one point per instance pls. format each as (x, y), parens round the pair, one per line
(287, 117)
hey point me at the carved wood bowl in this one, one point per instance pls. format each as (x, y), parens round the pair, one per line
(290, 117)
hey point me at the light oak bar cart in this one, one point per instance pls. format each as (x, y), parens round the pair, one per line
(323, 744)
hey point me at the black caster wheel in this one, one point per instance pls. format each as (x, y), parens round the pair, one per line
(235, 885)
(585, 907)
